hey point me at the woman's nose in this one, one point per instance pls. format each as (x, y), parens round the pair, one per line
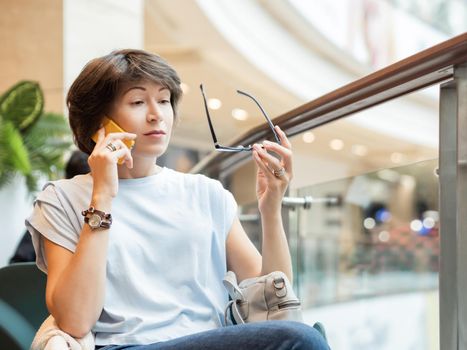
(154, 112)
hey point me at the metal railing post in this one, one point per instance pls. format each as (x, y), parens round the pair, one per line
(453, 212)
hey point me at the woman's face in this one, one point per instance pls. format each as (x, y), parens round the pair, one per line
(144, 108)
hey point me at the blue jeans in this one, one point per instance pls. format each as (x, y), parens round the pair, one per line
(269, 335)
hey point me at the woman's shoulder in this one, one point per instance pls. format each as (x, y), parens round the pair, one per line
(79, 181)
(76, 186)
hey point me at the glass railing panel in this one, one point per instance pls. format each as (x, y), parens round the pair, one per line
(381, 238)
(367, 265)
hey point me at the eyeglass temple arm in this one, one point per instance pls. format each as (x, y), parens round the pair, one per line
(264, 113)
(211, 128)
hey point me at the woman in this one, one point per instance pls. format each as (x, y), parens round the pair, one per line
(145, 264)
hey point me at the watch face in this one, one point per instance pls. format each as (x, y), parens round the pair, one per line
(94, 221)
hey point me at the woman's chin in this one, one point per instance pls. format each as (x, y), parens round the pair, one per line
(151, 152)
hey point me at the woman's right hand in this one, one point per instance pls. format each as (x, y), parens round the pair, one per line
(103, 162)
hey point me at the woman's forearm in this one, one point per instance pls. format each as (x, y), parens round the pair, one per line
(79, 293)
(275, 249)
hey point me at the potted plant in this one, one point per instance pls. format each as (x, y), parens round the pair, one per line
(32, 142)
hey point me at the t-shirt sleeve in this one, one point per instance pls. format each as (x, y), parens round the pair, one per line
(50, 219)
(224, 208)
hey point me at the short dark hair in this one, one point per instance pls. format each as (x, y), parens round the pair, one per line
(93, 92)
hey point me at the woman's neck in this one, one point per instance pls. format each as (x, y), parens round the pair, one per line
(142, 167)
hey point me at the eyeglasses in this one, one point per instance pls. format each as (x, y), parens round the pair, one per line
(240, 148)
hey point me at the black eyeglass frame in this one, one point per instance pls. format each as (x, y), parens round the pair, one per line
(248, 148)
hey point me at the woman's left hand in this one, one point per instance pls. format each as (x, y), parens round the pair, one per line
(273, 175)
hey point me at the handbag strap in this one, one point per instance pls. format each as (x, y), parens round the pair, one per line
(231, 284)
(236, 294)
(236, 318)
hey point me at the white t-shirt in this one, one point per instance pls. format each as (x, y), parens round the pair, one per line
(166, 256)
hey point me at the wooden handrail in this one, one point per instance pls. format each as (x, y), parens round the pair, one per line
(423, 69)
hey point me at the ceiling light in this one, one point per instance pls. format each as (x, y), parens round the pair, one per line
(336, 144)
(239, 114)
(359, 150)
(389, 175)
(308, 137)
(185, 88)
(214, 103)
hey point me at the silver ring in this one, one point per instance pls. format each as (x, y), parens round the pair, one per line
(279, 173)
(111, 147)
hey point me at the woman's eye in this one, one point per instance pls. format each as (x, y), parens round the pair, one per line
(164, 101)
(137, 102)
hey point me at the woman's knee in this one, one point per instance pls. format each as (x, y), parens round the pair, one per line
(301, 336)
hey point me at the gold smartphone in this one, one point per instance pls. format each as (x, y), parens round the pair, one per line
(111, 126)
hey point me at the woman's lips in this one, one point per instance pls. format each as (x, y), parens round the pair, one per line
(155, 133)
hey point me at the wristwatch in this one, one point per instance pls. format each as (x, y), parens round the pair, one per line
(96, 218)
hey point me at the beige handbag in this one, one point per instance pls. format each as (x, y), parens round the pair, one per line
(263, 298)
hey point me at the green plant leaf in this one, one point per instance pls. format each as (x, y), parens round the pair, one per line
(14, 155)
(46, 142)
(50, 134)
(50, 128)
(31, 143)
(22, 104)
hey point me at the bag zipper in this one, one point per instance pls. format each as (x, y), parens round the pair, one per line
(287, 304)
